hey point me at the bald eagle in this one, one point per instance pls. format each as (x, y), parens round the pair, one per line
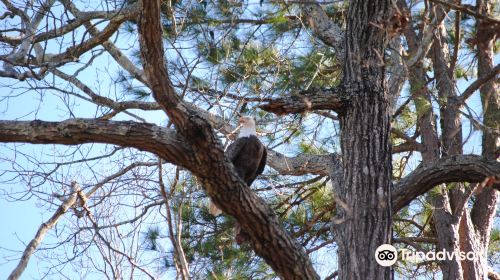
(247, 153)
(248, 156)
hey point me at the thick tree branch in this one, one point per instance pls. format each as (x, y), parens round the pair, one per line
(459, 168)
(170, 147)
(406, 147)
(316, 99)
(268, 239)
(147, 137)
(163, 142)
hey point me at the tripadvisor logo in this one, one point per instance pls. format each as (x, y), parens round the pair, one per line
(387, 255)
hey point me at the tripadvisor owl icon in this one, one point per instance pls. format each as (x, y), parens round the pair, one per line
(386, 255)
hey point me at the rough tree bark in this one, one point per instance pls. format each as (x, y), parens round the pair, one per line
(364, 216)
(447, 205)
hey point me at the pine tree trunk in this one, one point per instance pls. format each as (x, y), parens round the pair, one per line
(364, 205)
(483, 212)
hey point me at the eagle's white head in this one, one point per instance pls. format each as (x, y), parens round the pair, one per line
(247, 127)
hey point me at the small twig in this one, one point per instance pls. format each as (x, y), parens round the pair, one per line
(466, 10)
(456, 43)
(332, 276)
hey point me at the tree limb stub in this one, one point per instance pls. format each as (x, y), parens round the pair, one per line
(318, 99)
(478, 84)
(459, 168)
(299, 165)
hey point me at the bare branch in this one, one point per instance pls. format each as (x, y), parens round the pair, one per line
(427, 38)
(148, 137)
(477, 84)
(42, 230)
(119, 57)
(459, 168)
(409, 140)
(74, 52)
(466, 10)
(81, 18)
(181, 264)
(16, 11)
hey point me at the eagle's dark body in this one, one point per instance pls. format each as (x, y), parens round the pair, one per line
(248, 156)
